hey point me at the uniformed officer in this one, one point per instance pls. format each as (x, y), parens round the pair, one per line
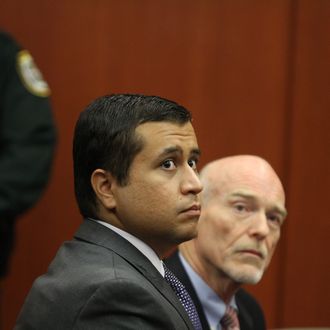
(27, 139)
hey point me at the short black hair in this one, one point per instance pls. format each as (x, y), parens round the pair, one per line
(105, 138)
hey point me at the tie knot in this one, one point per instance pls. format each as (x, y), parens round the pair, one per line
(230, 320)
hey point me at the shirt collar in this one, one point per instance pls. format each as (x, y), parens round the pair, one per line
(214, 308)
(140, 245)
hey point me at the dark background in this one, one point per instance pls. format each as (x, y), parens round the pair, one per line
(256, 76)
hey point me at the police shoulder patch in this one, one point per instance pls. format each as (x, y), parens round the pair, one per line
(30, 75)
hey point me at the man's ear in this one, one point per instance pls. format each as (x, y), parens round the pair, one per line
(102, 183)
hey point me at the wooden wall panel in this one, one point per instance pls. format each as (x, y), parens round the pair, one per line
(254, 73)
(306, 287)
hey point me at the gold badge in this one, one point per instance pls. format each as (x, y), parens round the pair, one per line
(30, 75)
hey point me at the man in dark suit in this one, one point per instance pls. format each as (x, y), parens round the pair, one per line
(242, 213)
(137, 187)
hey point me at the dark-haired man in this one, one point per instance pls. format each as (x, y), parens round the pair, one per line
(137, 187)
(243, 208)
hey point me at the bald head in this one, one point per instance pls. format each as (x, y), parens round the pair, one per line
(243, 169)
(243, 209)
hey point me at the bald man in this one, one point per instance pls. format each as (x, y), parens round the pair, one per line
(243, 209)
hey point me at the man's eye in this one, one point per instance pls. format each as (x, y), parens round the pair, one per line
(240, 207)
(168, 164)
(274, 218)
(192, 163)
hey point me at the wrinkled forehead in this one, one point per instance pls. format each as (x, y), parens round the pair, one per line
(260, 182)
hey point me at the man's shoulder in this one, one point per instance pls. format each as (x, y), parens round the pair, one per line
(96, 255)
(89, 282)
(250, 311)
(6, 39)
(8, 51)
(246, 298)
(80, 273)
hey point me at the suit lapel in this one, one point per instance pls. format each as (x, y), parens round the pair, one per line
(98, 234)
(244, 317)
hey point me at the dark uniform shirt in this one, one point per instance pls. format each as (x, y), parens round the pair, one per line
(27, 138)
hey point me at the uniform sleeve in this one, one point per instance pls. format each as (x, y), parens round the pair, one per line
(27, 132)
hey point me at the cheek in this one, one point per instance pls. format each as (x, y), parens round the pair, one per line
(155, 201)
(271, 245)
(216, 231)
(212, 253)
(157, 197)
(154, 186)
(211, 239)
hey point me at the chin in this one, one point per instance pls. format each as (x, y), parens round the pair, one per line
(251, 276)
(187, 235)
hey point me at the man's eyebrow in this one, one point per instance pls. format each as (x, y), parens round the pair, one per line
(242, 194)
(196, 152)
(276, 208)
(176, 149)
(281, 211)
(171, 150)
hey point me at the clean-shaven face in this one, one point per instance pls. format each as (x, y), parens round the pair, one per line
(160, 205)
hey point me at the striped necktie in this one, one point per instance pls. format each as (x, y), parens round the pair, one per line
(230, 320)
(184, 297)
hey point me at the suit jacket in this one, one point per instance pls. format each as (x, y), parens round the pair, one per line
(99, 280)
(250, 314)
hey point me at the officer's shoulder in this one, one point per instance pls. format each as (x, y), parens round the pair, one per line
(6, 39)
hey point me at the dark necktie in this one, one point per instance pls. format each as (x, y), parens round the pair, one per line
(184, 297)
(230, 320)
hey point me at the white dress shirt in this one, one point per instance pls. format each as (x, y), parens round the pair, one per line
(140, 245)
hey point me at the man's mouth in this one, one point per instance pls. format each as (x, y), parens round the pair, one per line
(253, 252)
(193, 210)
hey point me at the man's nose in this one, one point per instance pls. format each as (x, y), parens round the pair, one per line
(191, 183)
(259, 226)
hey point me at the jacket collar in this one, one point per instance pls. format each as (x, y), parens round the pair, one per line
(95, 233)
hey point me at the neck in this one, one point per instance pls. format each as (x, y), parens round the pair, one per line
(224, 286)
(160, 246)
